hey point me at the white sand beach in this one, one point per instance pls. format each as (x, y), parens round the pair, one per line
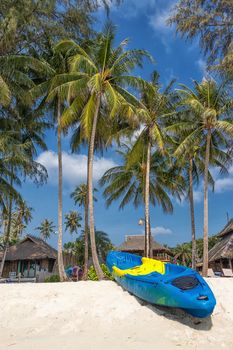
(101, 315)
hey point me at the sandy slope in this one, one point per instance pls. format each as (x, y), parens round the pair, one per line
(100, 315)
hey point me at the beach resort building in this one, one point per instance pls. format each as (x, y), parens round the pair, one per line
(135, 244)
(33, 258)
(221, 255)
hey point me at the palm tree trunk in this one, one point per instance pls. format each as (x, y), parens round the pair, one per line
(147, 203)
(8, 229)
(96, 264)
(192, 214)
(86, 239)
(61, 269)
(151, 241)
(205, 235)
(183, 261)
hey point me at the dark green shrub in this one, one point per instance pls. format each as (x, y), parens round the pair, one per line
(53, 278)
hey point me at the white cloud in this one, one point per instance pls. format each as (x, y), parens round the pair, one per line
(134, 8)
(224, 185)
(158, 22)
(201, 64)
(74, 166)
(197, 196)
(160, 230)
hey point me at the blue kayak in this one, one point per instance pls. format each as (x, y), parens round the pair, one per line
(162, 283)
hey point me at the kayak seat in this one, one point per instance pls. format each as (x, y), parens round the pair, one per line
(147, 267)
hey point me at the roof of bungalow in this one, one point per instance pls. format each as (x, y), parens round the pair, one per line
(137, 242)
(227, 229)
(222, 249)
(30, 248)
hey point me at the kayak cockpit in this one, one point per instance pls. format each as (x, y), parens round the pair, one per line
(147, 267)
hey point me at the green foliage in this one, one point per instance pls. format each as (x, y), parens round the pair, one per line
(209, 105)
(128, 181)
(183, 252)
(72, 221)
(46, 228)
(209, 21)
(79, 195)
(92, 274)
(33, 26)
(53, 278)
(21, 217)
(103, 246)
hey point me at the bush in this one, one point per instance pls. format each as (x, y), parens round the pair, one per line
(53, 278)
(92, 274)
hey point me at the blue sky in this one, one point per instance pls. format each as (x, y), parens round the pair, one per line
(143, 22)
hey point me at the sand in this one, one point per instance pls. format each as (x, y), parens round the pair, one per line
(101, 315)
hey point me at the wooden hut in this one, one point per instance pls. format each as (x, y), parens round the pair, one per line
(136, 244)
(33, 256)
(221, 255)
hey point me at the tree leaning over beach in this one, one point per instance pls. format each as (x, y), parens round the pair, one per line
(102, 73)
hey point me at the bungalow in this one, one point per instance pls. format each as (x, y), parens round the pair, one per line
(221, 255)
(33, 256)
(136, 244)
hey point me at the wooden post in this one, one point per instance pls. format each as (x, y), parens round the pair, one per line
(230, 264)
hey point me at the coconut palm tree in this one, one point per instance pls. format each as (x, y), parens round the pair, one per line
(72, 221)
(8, 195)
(21, 217)
(127, 182)
(54, 101)
(46, 229)
(210, 104)
(183, 252)
(98, 77)
(154, 106)
(13, 162)
(192, 164)
(103, 243)
(15, 77)
(80, 197)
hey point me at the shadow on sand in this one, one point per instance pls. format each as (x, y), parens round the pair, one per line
(179, 315)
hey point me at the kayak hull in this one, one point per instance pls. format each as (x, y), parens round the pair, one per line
(178, 287)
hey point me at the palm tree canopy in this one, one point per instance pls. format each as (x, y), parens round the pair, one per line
(103, 243)
(128, 182)
(210, 108)
(46, 228)
(79, 195)
(155, 104)
(15, 79)
(72, 221)
(99, 70)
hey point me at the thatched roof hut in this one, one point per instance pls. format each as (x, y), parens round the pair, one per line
(33, 255)
(136, 244)
(31, 248)
(222, 253)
